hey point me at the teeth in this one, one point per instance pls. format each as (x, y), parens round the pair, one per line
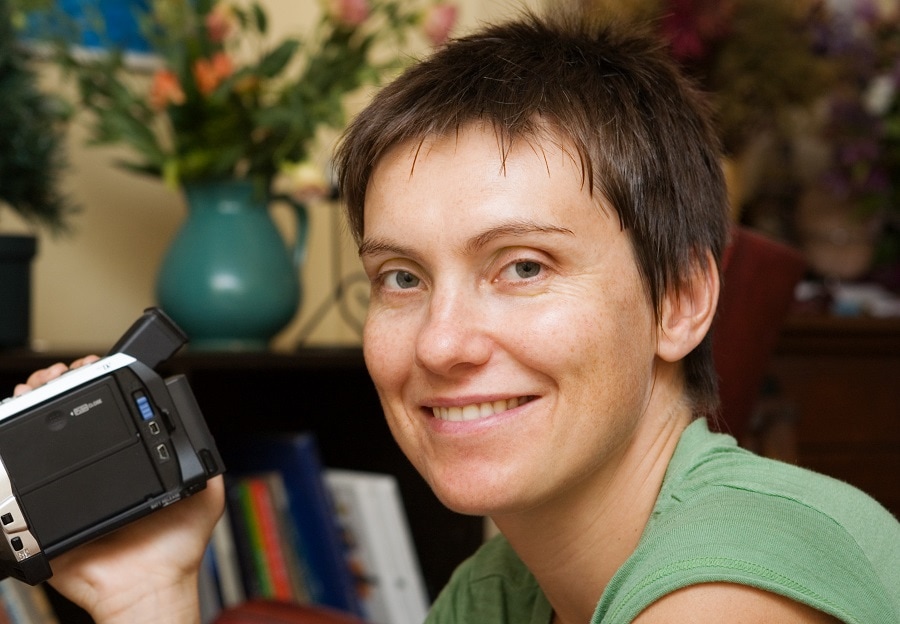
(477, 410)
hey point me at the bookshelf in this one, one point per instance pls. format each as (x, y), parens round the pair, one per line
(323, 390)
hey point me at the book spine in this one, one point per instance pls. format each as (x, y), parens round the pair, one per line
(290, 544)
(269, 540)
(227, 563)
(245, 539)
(26, 604)
(208, 587)
(5, 617)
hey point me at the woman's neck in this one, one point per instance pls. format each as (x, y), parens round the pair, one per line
(574, 545)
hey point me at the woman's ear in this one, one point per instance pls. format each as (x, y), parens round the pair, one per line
(688, 312)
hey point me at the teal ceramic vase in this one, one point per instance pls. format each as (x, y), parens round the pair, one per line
(228, 279)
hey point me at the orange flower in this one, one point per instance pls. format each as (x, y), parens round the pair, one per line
(165, 90)
(220, 21)
(439, 21)
(209, 73)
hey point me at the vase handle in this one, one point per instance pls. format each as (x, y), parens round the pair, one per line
(301, 215)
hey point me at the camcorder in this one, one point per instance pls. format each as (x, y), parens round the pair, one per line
(98, 447)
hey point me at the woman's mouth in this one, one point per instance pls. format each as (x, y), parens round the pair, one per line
(478, 410)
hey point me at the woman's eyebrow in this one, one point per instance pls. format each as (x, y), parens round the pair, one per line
(514, 229)
(374, 246)
(377, 246)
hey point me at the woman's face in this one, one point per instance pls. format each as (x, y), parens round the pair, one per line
(509, 334)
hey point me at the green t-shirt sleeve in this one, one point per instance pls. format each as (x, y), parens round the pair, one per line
(763, 541)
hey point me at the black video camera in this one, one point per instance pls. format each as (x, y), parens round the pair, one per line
(98, 447)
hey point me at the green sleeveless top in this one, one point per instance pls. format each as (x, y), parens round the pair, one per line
(723, 514)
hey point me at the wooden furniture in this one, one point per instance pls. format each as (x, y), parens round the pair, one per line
(267, 612)
(842, 377)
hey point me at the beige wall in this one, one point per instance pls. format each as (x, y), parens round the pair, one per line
(88, 287)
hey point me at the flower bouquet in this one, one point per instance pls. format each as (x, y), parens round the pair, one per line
(223, 100)
(755, 58)
(857, 135)
(861, 121)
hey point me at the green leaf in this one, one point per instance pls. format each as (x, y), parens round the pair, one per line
(274, 62)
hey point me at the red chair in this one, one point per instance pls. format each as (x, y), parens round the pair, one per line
(759, 278)
(271, 612)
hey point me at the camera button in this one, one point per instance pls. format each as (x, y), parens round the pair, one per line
(143, 405)
(16, 543)
(11, 517)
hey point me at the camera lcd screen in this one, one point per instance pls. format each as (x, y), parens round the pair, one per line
(80, 460)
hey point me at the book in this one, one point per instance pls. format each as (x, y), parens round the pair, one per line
(371, 513)
(207, 588)
(271, 540)
(25, 604)
(319, 545)
(225, 565)
(270, 565)
(4, 610)
(4, 615)
(291, 549)
(242, 539)
(257, 577)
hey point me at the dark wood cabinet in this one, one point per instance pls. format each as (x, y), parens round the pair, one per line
(842, 376)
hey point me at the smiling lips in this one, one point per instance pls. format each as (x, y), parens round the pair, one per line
(478, 410)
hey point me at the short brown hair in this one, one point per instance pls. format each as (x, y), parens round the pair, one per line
(642, 132)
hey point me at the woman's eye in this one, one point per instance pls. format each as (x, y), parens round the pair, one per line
(524, 269)
(400, 280)
(521, 270)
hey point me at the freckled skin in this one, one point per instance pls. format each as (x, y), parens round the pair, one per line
(481, 323)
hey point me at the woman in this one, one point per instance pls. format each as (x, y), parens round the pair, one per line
(540, 210)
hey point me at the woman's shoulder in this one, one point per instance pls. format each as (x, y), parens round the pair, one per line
(726, 515)
(708, 470)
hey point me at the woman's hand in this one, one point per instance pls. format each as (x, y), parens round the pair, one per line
(40, 377)
(147, 570)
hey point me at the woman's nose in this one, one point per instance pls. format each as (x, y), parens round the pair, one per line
(453, 337)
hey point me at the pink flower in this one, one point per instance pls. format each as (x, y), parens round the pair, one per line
(165, 90)
(220, 21)
(350, 12)
(692, 26)
(439, 21)
(209, 73)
